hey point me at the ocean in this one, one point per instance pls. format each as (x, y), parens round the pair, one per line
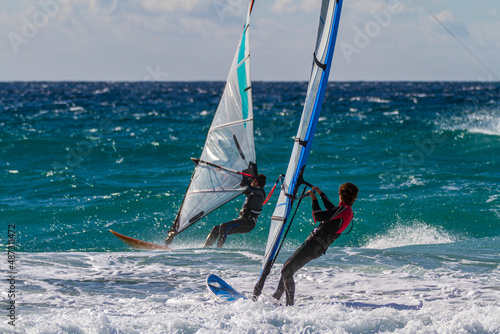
(81, 158)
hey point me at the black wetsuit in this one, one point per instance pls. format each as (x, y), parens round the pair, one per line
(334, 220)
(244, 223)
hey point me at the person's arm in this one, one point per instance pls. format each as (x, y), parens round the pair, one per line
(326, 201)
(318, 213)
(315, 205)
(322, 215)
(314, 199)
(249, 190)
(328, 205)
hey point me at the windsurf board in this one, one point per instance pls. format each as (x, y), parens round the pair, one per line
(139, 244)
(221, 290)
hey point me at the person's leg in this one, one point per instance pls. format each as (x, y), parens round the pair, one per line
(237, 226)
(279, 290)
(307, 252)
(289, 268)
(289, 290)
(212, 236)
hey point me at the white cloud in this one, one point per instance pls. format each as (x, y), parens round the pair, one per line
(195, 40)
(171, 5)
(103, 6)
(446, 15)
(448, 24)
(290, 6)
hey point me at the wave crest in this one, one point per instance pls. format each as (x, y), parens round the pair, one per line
(417, 233)
(485, 122)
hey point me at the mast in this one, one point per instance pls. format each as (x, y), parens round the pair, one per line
(322, 59)
(229, 153)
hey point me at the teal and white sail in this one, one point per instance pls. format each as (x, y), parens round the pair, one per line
(325, 44)
(229, 149)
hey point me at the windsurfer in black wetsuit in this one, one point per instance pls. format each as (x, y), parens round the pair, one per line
(248, 215)
(334, 221)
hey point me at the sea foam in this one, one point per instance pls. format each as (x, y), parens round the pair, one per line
(417, 233)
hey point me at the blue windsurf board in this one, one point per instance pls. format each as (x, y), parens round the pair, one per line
(221, 290)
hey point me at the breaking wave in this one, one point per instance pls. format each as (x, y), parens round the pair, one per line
(417, 233)
(483, 122)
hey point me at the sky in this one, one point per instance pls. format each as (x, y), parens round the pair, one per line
(186, 40)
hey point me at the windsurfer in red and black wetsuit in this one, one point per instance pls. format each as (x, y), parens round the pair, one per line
(334, 220)
(248, 215)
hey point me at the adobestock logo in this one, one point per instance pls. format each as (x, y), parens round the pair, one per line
(155, 74)
(226, 6)
(47, 9)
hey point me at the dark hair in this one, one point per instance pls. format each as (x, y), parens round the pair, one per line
(261, 178)
(348, 193)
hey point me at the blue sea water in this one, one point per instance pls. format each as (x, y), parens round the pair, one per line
(80, 158)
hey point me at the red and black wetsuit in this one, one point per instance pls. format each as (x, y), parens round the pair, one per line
(334, 220)
(244, 223)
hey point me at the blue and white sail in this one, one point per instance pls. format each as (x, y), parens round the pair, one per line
(229, 150)
(325, 44)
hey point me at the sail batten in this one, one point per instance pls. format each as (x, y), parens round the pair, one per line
(214, 191)
(232, 123)
(322, 56)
